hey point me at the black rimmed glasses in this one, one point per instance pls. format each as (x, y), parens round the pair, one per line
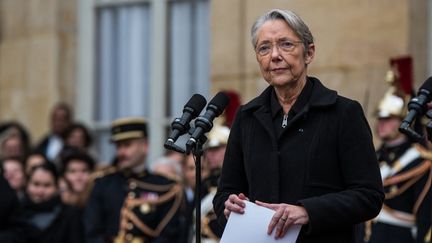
(283, 45)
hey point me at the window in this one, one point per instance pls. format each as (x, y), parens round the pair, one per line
(150, 57)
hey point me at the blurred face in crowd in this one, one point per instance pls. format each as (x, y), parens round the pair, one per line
(168, 170)
(131, 152)
(77, 138)
(41, 186)
(12, 146)
(215, 156)
(13, 171)
(387, 128)
(60, 121)
(77, 174)
(32, 161)
(281, 54)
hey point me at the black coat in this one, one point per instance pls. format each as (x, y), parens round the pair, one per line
(324, 160)
(63, 223)
(11, 229)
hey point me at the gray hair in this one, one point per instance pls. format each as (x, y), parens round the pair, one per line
(293, 20)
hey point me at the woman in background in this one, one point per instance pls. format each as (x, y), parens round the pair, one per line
(49, 220)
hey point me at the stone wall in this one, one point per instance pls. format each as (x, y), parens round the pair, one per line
(354, 42)
(37, 59)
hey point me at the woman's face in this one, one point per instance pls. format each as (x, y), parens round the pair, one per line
(14, 174)
(41, 186)
(76, 138)
(32, 161)
(282, 67)
(13, 146)
(387, 128)
(78, 175)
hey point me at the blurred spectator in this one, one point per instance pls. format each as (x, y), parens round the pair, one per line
(13, 172)
(49, 219)
(33, 159)
(76, 170)
(52, 144)
(14, 140)
(167, 167)
(78, 135)
(10, 230)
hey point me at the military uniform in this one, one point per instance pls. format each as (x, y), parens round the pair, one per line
(405, 170)
(406, 213)
(133, 207)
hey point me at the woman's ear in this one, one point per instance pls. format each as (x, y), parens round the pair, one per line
(310, 54)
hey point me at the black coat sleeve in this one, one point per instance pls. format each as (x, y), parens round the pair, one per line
(233, 178)
(363, 195)
(424, 213)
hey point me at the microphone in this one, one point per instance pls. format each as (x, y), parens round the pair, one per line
(181, 125)
(416, 108)
(204, 123)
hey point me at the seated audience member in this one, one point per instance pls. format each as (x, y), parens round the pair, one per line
(78, 135)
(13, 172)
(49, 220)
(14, 140)
(33, 159)
(76, 171)
(10, 229)
(60, 120)
(167, 167)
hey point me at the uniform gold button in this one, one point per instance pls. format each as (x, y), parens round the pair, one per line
(130, 226)
(131, 194)
(145, 208)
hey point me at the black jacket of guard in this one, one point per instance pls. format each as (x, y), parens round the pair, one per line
(324, 160)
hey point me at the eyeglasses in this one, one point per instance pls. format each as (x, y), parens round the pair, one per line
(283, 45)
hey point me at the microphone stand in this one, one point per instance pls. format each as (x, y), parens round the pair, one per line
(197, 151)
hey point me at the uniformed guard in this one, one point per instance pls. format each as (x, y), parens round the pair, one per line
(129, 204)
(214, 153)
(405, 168)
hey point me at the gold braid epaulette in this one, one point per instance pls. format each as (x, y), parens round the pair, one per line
(424, 153)
(102, 172)
(174, 192)
(96, 175)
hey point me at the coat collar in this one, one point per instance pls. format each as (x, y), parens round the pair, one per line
(320, 97)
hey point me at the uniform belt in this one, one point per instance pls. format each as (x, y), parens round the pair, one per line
(395, 217)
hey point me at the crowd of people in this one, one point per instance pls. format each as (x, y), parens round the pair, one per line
(298, 148)
(57, 191)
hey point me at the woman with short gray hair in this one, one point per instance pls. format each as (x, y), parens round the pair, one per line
(299, 148)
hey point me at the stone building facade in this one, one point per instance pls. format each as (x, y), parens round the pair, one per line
(46, 53)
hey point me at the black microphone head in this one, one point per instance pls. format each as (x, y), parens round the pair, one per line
(197, 103)
(219, 102)
(427, 85)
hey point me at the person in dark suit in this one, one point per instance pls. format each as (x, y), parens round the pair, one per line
(405, 168)
(61, 118)
(299, 148)
(131, 204)
(10, 229)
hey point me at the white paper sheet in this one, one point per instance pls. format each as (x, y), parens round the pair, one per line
(252, 227)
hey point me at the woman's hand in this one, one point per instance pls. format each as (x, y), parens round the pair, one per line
(285, 216)
(235, 204)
